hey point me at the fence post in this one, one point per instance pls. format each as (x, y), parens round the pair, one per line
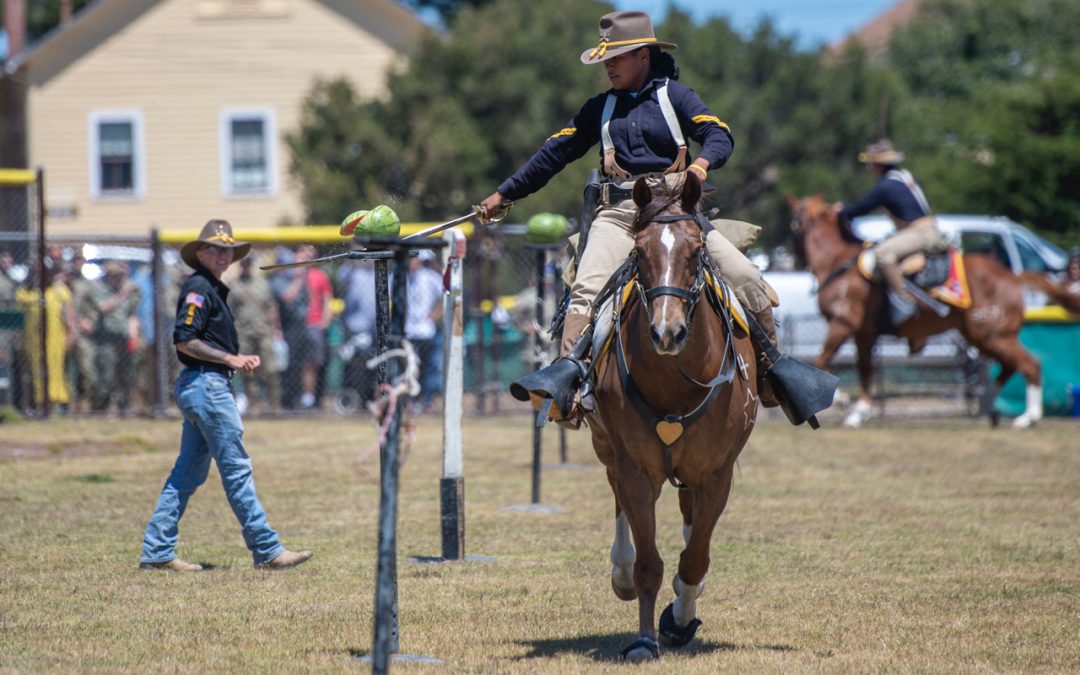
(452, 485)
(160, 356)
(43, 362)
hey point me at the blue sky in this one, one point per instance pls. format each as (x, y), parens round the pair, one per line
(815, 21)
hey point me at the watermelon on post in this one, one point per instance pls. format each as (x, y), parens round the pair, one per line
(546, 228)
(380, 221)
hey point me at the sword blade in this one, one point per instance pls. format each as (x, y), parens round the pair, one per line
(439, 228)
(938, 307)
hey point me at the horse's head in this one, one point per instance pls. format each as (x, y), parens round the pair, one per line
(668, 243)
(814, 214)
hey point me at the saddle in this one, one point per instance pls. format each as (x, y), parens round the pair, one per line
(937, 279)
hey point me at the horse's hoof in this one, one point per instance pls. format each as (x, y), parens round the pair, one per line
(644, 648)
(995, 419)
(625, 594)
(1023, 422)
(673, 636)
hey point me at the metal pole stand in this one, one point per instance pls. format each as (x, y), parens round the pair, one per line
(390, 336)
(452, 483)
(541, 358)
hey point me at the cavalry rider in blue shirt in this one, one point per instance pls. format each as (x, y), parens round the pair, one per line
(642, 124)
(916, 229)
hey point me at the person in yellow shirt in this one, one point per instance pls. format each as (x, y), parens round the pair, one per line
(59, 335)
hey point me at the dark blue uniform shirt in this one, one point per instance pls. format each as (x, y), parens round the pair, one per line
(202, 313)
(642, 139)
(896, 196)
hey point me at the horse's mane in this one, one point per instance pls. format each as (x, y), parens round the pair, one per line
(847, 233)
(663, 196)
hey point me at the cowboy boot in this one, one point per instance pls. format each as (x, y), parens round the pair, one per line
(901, 303)
(764, 387)
(574, 325)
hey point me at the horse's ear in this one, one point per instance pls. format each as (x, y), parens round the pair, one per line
(642, 193)
(691, 191)
(792, 200)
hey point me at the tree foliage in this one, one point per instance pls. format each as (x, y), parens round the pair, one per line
(982, 95)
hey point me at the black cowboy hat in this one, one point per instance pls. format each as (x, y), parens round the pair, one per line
(215, 233)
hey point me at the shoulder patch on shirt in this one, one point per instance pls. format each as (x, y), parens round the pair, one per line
(702, 119)
(194, 299)
(568, 131)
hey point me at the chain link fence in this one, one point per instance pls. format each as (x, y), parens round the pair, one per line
(110, 334)
(22, 333)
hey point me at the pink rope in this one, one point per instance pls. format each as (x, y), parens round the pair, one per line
(387, 398)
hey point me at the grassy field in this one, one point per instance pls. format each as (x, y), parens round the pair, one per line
(927, 546)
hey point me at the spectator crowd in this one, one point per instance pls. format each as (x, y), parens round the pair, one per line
(313, 331)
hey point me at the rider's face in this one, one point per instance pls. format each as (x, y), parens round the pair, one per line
(628, 72)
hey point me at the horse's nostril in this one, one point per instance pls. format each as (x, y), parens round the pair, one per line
(655, 334)
(680, 335)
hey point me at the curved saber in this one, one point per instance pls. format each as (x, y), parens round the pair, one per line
(371, 255)
(457, 221)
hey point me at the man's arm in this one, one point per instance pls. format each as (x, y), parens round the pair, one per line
(197, 349)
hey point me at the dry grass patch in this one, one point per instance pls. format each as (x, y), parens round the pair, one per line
(927, 546)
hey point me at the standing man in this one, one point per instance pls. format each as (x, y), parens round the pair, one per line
(115, 299)
(207, 345)
(425, 292)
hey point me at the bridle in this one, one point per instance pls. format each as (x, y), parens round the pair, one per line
(670, 428)
(689, 296)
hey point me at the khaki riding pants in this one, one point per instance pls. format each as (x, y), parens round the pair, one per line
(920, 235)
(611, 238)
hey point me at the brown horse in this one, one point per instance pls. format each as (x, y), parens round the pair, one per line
(666, 412)
(851, 304)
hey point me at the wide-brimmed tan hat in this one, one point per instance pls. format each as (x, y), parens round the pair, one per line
(881, 152)
(217, 233)
(622, 32)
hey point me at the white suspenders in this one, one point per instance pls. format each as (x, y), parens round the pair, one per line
(908, 180)
(611, 167)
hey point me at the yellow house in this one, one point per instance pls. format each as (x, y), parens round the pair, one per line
(164, 113)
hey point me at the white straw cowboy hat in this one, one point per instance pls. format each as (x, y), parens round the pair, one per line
(215, 233)
(881, 152)
(622, 32)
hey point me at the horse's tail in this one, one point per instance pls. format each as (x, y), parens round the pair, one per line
(1056, 292)
(1038, 282)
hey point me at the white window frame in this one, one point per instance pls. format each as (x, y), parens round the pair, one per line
(130, 116)
(269, 120)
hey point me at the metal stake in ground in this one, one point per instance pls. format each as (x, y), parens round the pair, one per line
(386, 597)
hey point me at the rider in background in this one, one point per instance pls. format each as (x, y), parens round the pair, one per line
(898, 193)
(636, 140)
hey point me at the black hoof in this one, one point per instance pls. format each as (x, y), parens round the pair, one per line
(644, 648)
(673, 636)
(995, 419)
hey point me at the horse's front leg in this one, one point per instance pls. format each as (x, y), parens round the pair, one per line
(623, 557)
(864, 362)
(679, 621)
(637, 494)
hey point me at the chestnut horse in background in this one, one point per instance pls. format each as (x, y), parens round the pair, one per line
(672, 417)
(850, 303)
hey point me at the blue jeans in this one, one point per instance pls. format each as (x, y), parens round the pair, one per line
(212, 428)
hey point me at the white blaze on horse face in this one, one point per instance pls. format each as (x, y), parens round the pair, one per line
(623, 554)
(667, 238)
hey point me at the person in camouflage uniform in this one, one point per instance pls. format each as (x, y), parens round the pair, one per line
(257, 322)
(86, 318)
(116, 337)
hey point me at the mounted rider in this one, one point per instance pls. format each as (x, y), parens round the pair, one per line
(899, 193)
(642, 124)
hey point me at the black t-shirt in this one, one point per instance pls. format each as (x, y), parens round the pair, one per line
(202, 313)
